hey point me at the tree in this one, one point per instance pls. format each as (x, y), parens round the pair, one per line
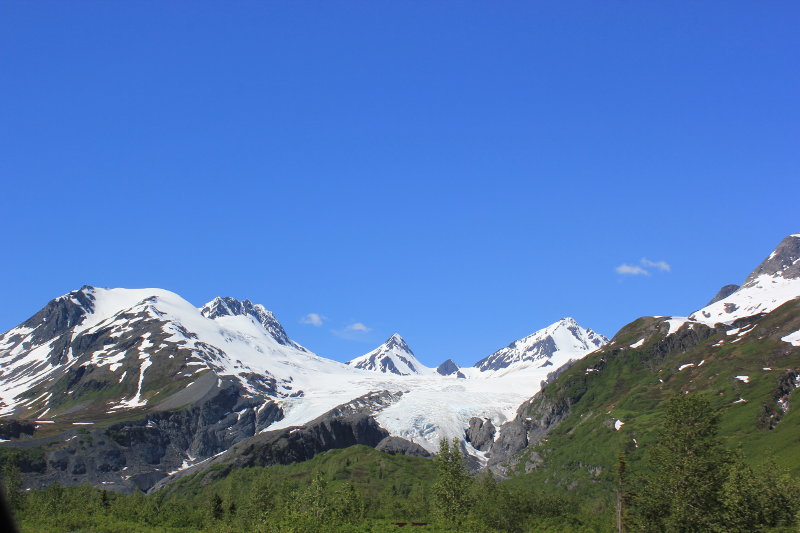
(12, 482)
(755, 499)
(687, 468)
(451, 491)
(216, 507)
(623, 495)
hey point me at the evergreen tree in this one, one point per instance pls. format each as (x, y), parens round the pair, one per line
(12, 482)
(104, 502)
(451, 491)
(216, 507)
(687, 468)
(623, 496)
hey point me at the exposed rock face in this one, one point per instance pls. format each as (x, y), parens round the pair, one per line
(400, 446)
(723, 293)
(292, 445)
(784, 261)
(134, 455)
(535, 418)
(448, 368)
(14, 429)
(480, 433)
(367, 404)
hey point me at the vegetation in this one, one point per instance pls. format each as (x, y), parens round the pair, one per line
(688, 482)
(357, 489)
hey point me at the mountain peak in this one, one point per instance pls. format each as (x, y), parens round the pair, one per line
(774, 282)
(783, 262)
(397, 341)
(554, 345)
(393, 356)
(222, 306)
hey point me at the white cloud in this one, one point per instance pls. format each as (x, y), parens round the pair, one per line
(358, 326)
(660, 265)
(631, 270)
(643, 268)
(314, 319)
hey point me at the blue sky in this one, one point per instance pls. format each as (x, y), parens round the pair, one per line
(463, 173)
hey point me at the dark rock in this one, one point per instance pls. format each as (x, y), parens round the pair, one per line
(14, 429)
(480, 433)
(447, 368)
(301, 443)
(782, 261)
(723, 293)
(401, 446)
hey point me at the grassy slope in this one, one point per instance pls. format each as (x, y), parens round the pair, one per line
(632, 385)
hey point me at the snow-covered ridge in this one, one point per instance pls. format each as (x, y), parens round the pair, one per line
(554, 346)
(773, 283)
(227, 306)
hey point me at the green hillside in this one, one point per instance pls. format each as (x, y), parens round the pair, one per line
(633, 385)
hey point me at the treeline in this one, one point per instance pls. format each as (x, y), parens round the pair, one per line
(686, 482)
(352, 490)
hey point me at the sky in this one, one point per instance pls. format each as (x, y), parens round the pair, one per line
(462, 173)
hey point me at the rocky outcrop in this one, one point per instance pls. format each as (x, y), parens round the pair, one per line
(14, 429)
(723, 293)
(480, 433)
(448, 368)
(134, 455)
(401, 446)
(296, 444)
(535, 418)
(784, 261)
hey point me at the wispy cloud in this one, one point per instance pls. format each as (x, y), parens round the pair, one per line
(631, 270)
(660, 265)
(356, 331)
(313, 319)
(643, 268)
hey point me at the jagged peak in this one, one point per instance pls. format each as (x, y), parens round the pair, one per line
(397, 341)
(563, 336)
(784, 261)
(393, 356)
(227, 306)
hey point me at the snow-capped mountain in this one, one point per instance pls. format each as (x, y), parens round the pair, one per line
(178, 383)
(226, 306)
(125, 347)
(552, 346)
(773, 283)
(393, 356)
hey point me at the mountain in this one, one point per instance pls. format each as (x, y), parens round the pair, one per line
(554, 346)
(744, 359)
(774, 282)
(127, 387)
(393, 356)
(114, 349)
